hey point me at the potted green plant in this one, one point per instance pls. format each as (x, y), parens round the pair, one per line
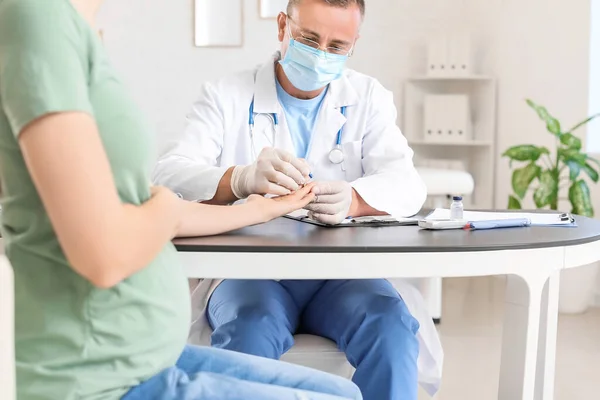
(551, 177)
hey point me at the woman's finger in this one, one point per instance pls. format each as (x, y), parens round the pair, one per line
(306, 200)
(304, 190)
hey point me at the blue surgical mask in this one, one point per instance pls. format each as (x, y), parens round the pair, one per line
(311, 69)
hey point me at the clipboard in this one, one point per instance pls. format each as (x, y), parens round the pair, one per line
(554, 219)
(359, 222)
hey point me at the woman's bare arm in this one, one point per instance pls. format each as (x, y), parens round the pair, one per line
(103, 239)
(204, 220)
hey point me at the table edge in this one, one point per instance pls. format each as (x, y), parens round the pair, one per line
(211, 248)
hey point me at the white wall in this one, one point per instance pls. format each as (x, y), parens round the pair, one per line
(536, 48)
(151, 44)
(594, 105)
(540, 51)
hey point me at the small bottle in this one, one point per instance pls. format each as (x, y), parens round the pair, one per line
(456, 209)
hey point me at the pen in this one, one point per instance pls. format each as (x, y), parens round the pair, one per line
(495, 224)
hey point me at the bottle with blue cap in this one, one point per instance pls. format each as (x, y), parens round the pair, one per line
(457, 208)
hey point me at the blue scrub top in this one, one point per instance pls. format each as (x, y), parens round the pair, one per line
(301, 116)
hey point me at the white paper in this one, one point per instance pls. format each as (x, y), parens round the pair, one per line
(473, 216)
(298, 214)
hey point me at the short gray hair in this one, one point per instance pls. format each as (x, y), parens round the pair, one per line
(333, 3)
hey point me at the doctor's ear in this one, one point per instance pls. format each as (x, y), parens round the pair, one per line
(281, 26)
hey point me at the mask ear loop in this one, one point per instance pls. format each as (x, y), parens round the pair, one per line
(288, 26)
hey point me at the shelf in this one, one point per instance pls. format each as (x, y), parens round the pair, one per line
(452, 78)
(471, 143)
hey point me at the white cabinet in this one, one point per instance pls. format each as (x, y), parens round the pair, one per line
(434, 114)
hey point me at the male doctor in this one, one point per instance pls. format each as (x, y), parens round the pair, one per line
(264, 131)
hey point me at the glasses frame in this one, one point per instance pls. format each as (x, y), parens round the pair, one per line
(315, 44)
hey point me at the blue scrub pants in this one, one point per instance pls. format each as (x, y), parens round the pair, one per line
(366, 318)
(204, 373)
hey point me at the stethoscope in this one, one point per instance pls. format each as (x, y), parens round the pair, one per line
(336, 155)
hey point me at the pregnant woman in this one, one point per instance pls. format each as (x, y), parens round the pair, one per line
(102, 307)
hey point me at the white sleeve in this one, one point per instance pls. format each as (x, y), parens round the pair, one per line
(189, 166)
(390, 182)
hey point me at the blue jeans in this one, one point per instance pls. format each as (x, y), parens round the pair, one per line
(204, 373)
(366, 318)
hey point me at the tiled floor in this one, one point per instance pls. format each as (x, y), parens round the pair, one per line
(471, 331)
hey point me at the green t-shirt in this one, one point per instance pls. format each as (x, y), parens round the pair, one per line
(75, 341)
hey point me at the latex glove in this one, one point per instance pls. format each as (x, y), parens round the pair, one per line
(332, 202)
(274, 172)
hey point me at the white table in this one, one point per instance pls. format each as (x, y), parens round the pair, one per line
(441, 184)
(531, 257)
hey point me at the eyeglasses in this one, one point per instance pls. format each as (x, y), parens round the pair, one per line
(339, 51)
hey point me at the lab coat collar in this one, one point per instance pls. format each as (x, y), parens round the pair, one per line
(265, 89)
(341, 93)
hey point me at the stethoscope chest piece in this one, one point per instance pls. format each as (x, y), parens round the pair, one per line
(336, 155)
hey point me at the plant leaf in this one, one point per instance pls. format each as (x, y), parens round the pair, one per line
(514, 203)
(595, 161)
(591, 172)
(547, 191)
(571, 141)
(579, 196)
(522, 178)
(552, 123)
(541, 111)
(526, 152)
(574, 169)
(585, 121)
(553, 126)
(573, 155)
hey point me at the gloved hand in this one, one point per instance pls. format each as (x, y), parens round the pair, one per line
(332, 202)
(274, 172)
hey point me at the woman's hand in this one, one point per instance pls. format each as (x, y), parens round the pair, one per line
(205, 220)
(274, 207)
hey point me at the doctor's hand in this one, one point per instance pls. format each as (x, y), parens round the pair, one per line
(332, 202)
(274, 207)
(274, 172)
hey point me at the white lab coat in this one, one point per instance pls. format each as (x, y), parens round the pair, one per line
(378, 161)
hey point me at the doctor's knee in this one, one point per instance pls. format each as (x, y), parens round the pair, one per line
(392, 321)
(255, 331)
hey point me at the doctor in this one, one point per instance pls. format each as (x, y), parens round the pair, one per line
(264, 131)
